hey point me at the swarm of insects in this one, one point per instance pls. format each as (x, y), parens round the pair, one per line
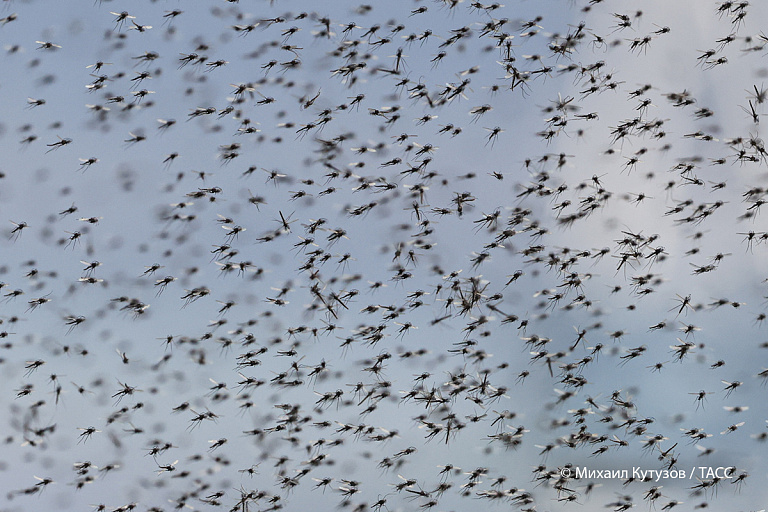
(388, 256)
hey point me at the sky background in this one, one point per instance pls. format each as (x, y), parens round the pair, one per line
(132, 191)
